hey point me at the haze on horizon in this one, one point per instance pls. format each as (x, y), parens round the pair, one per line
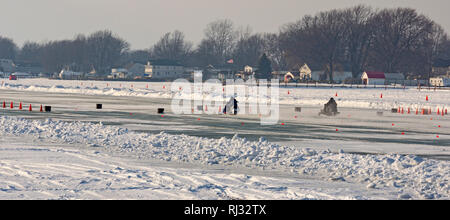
(143, 22)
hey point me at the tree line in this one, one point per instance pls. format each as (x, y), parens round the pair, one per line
(351, 39)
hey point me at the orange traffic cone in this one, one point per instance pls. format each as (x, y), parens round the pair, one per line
(4, 104)
(438, 112)
(417, 111)
(336, 94)
(409, 110)
(427, 98)
(30, 109)
(41, 110)
(381, 96)
(20, 106)
(12, 106)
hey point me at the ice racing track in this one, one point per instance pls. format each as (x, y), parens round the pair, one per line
(354, 130)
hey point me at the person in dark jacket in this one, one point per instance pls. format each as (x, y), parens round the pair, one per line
(330, 108)
(235, 106)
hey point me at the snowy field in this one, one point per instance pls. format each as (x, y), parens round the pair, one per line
(128, 151)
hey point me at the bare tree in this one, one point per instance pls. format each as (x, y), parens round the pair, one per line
(249, 49)
(274, 51)
(8, 48)
(172, 46)
(358, 36)
(399, 32)
(30, 52)
(434, 46)
(105, 50)
(220, 39)
(317, 40)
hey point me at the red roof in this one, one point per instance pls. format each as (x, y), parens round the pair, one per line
(375, 75)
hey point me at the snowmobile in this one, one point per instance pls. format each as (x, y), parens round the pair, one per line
(330, 109)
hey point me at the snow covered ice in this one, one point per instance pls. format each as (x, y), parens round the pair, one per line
(405, 176)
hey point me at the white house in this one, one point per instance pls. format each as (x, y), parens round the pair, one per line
(163, 69)
(440, 81)
(373, 78)
(305, 72)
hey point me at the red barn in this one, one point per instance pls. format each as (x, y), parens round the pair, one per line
(373, 78)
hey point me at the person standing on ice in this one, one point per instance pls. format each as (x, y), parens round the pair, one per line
(231, 104)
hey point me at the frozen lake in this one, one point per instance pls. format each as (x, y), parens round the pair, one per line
(354, 130)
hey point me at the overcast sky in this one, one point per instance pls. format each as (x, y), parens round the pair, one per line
(143, 22)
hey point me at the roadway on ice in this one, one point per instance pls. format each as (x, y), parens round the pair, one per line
(354, 130)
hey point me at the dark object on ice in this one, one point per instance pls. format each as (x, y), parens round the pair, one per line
(48, 108)
(160, 110)
(298, 109)
(235, 102)
(380, 113)
(99, 106)
(200, 107)
(394, 110)
(330, 108)
(232, 104)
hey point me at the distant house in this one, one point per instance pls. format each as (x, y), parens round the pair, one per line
(373, 78)
(247, 73)
(119, 73)
(21, 75)
(305, 72)
(289, 76)
(163, 69)
(7, 65)
(136, 70)
(302, 73)
(441, 81)
(441, 67)
(279, 75)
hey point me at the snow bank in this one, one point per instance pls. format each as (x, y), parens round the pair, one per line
(412, 176)
(366, 98)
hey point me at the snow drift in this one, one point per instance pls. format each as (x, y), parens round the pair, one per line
(412, 176)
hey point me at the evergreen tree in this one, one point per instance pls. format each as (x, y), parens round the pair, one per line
(264, 68)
